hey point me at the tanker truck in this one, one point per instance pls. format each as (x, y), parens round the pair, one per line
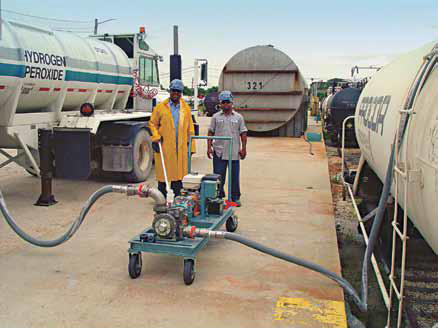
(47, 76)
(409, 84)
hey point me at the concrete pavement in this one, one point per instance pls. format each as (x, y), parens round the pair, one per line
(287, 204)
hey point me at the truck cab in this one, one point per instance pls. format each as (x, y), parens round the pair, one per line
(144, 61)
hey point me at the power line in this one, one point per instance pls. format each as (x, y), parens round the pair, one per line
(46, 18)
(184, 70)
(76, 32)
(72, 29)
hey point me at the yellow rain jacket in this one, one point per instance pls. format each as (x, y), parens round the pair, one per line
(162, 126)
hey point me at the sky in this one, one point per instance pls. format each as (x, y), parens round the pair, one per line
(324, 38)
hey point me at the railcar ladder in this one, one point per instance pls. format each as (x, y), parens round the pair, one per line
(402, 173)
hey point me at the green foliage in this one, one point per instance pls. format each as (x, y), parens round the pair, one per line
(187, 91)
(201, 91)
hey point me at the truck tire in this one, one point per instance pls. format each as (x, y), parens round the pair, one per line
(142, 157)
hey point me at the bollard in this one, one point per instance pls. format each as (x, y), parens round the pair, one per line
(46, 167)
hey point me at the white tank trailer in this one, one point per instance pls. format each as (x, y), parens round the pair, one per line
(45, 76)
(403, 84)
(269, 91)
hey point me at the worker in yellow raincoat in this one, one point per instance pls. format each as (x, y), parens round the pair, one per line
(171, 124)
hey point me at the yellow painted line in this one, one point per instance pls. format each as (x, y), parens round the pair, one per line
(311, 312)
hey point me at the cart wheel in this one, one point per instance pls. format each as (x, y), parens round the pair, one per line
(134, 267)
(232, 223)
(189, 271)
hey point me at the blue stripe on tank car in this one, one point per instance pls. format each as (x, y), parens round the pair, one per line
(12, 70)
(97, 78)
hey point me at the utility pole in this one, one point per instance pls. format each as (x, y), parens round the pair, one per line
(195, 87)
(96, 23)
(175, 39)
(175, 59)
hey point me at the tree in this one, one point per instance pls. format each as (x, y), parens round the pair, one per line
(188, 91)
(212, 89)
(201, 91)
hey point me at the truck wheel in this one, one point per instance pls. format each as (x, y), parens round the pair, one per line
(142, 157)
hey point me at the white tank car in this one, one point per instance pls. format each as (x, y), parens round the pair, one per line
(376, 121)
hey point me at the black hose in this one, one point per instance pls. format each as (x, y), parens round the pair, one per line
(67, 235)
(292, 259)
(375, 228)
(362, 300)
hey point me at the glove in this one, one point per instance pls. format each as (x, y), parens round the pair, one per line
(156, 147)
(210, 152)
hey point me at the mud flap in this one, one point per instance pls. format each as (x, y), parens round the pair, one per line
(72, 153)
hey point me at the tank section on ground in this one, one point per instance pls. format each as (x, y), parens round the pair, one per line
(269, 91)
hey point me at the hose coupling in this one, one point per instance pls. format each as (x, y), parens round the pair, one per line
(129, 190)
(192, 232)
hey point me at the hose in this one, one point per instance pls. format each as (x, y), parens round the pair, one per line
(375, 228)
(68, 234)
(292, 259)
(360, 300)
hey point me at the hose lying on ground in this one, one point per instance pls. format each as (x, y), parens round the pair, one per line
(360, 301)
(292, 259)
(68, 234)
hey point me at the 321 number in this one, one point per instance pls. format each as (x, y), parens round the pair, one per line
(254, 85)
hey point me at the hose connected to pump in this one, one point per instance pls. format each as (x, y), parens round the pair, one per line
(360, 300)
(191, 231)
(68, 234)
(196, 232)
(141, 190)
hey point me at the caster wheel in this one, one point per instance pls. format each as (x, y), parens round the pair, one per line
(134, 267)
(189, 271)
(232, 223)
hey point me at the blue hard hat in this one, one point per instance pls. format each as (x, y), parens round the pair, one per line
(225, 96)
(176, 84)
